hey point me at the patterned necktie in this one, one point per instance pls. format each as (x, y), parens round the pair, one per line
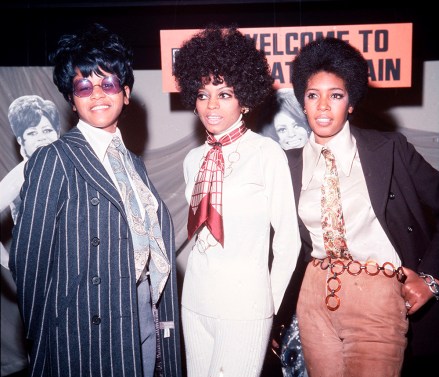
(146, 233)
(206, 201)
(334, 232)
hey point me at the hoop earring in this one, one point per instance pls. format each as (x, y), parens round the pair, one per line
(196, 112)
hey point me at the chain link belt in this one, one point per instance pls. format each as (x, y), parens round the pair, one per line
(354, 268)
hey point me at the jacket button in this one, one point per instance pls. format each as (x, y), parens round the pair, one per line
(94, 201)
(409, 229)
(96, 280)
(96, 320)
(95, 241)
(391, 196)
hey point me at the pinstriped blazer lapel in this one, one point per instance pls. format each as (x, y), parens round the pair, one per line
(86, 162)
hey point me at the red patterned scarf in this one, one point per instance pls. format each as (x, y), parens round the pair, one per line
(206, 202)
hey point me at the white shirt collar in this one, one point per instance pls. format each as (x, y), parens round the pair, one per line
(98, 139)
(342, 145)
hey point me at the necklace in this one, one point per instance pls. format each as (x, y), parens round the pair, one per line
(202, 245)
(232, 158)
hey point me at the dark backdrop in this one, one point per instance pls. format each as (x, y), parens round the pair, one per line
(29, 29)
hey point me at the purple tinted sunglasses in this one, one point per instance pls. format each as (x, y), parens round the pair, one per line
(84, 87)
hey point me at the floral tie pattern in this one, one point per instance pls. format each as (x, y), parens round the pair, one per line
(333, 225)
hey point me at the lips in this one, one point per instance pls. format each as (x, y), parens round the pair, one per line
(295, 143)
(213, 119)
(100, 107)
(323, 121)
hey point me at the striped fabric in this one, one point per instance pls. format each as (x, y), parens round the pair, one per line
(213, 350)
(72, 260)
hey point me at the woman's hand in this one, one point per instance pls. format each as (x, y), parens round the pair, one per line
(414, 291)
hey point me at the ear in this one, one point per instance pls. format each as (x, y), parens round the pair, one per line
(72, 103)
(126, 97)
(350, 109)
(19, 140)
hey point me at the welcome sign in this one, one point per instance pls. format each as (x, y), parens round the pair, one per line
(386, 47)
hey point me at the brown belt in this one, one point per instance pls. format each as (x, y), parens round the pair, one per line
(339, 266)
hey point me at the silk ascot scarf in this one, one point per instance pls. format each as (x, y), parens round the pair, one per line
(333, 225)
(206, 201)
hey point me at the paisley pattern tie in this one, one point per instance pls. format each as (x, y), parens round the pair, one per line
(206, 202)
(333, 225)
(146, 232)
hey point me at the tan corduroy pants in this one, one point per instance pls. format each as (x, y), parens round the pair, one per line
(365, 336)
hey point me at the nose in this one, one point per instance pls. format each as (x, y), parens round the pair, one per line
(324, 105)
(213, 103)
(97, 93)
(292, 130)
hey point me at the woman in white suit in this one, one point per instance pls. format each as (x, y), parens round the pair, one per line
(238, 187)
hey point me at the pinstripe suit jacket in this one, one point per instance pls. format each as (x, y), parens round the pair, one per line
(72, 260)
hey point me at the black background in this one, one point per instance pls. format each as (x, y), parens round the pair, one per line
(30, 29)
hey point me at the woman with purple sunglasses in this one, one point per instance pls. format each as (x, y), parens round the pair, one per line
(82, 229)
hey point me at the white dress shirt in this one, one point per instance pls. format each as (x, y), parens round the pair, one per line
(366, 239)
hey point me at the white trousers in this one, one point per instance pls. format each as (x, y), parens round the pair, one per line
(224, 348)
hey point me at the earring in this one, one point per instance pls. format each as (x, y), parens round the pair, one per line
(304, 111)
(195, 112)
(245, 110)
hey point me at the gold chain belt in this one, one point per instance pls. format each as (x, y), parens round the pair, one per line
(353, 267)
